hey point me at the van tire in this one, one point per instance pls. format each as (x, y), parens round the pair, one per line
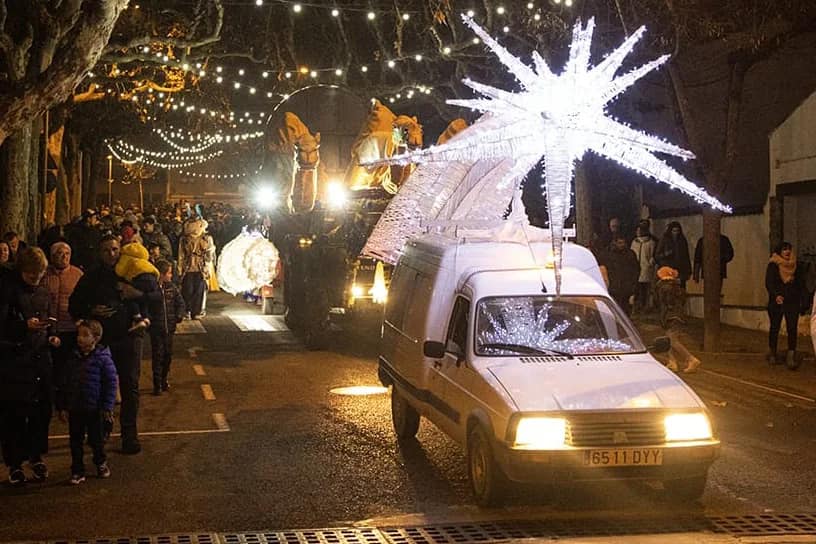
(487, 481)
(404, 417)
(685, 489)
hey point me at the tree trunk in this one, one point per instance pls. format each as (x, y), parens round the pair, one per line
(35, 223)
(72, 162)
(31, 97)
(15, 155)
(583, 205)
(712, 286)
(62, 215)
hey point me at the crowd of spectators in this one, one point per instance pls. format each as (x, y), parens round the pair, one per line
(74, 310)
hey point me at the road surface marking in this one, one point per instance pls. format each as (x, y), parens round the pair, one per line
(199, 370)
(207, 391)
(221, 422)
(760, 386)
(154, 433)
(190, 326)
(264, 323)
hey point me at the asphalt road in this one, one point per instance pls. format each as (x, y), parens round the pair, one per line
(269, 446)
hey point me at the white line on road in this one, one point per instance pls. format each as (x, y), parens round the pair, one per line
(760, 386)
(155, 433)
(221, 422)
(207, 391)
(199, 370)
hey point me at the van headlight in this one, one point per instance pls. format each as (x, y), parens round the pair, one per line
(540, 433)
(680, 427)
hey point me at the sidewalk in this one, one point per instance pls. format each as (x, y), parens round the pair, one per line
(741, 354)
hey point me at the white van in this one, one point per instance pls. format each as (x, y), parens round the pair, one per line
(535, 386)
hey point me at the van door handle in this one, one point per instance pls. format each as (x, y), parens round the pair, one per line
(437, 364)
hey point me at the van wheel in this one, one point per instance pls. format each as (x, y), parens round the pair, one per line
(487, 481)
(404, 416)
(685, 489)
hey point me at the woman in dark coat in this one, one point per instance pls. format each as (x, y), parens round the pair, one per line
(673, 251)
(784, 296)
(26, 332)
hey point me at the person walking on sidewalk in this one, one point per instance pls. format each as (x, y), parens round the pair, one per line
(672, 302)
(167, 312)
(784, 294)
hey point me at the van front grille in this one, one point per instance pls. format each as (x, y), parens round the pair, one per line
(584, 433)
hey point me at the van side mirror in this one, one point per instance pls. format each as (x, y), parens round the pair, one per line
(661, 344)
(434, 350)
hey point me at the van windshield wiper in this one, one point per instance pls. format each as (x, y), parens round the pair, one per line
(520, 348)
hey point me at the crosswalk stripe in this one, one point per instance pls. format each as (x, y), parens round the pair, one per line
(207, 391)
(221, 422)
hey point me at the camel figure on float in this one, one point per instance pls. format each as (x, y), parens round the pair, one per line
(294, 155)
(382, 135)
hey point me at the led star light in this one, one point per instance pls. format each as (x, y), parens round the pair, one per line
(557, 118)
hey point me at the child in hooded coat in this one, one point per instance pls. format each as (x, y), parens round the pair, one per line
(135, 267)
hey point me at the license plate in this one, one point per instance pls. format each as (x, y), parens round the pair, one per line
(623, 457)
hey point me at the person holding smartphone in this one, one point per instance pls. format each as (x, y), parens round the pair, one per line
(26, 393)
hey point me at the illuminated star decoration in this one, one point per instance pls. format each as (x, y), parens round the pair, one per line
(557, 119)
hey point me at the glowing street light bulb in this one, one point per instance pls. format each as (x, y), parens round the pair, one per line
(530, 5)
(391, 63)
(470, 13)
(446, 50)
(297, 8)
(364, 68)
(304, 70)
(335, 13)
(338, 72)
(264, 74)
(371, 15)
(219, 79)
(500, 10)
(252, 90)
(418, 57)
(259, 2)
(241, 72)
(506, 29)
(313, 74)
(288, 75)
(237, 85)
(406, 16)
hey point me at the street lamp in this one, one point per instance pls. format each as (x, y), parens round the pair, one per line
(110, 180)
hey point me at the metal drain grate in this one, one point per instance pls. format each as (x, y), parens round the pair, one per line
(500, 531)
(184, 538)
(765, 524)
(318, 536)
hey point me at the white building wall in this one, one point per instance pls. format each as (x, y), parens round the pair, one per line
(792, 149)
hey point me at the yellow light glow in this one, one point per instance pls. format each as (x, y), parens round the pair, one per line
(304, 69)
(356, 291)
(379, 292)
(336, 195)
(540, 433)
(687, 427)
(360, 390)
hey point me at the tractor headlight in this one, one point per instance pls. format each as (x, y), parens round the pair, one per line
(681, 427)
(540, 433)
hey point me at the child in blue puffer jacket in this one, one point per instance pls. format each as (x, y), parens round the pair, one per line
(87, 394)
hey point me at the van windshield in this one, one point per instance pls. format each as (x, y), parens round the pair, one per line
(574, 325)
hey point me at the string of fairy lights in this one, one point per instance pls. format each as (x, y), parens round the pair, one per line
(191, 149)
